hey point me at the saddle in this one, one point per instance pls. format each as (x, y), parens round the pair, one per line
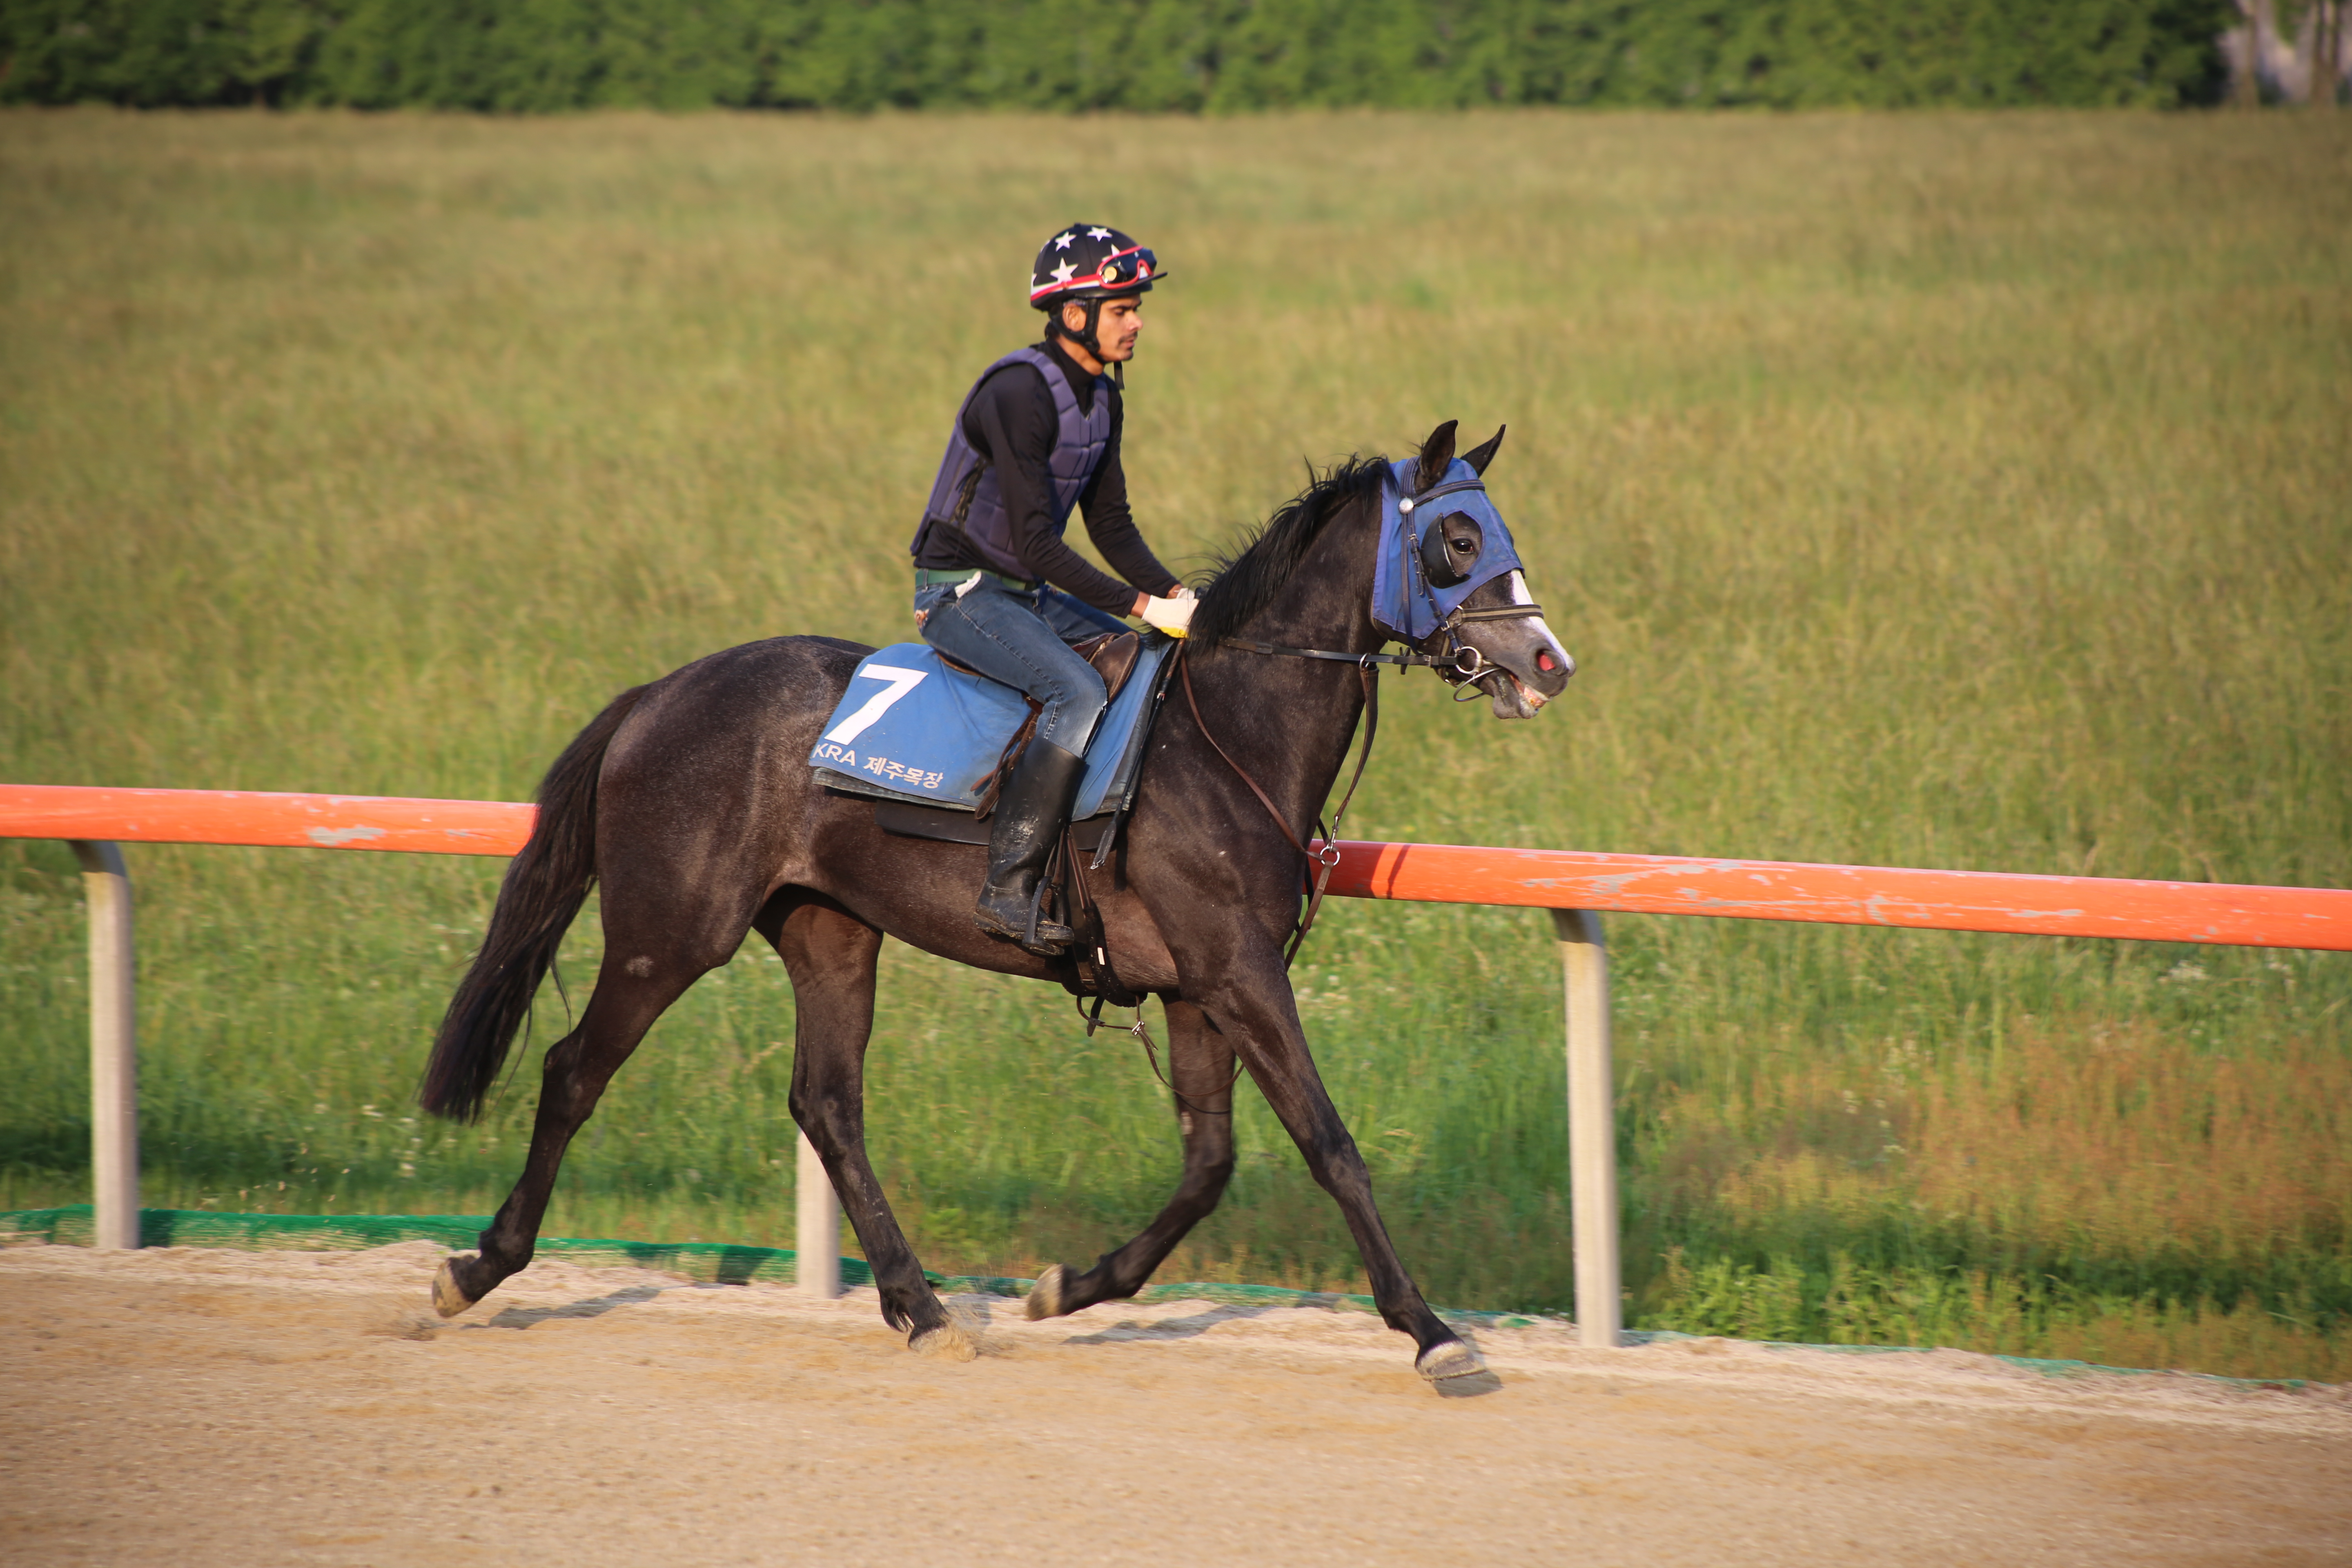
(1113, 656)
(932, 744)
(914, 726)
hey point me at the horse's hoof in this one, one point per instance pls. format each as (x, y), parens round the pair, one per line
(946, 1343)
(448, 1299)
(1449, 1360)
(1045, 1296)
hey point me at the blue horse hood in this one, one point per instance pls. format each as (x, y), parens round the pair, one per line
(1404, 604)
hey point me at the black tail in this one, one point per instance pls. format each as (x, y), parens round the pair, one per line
(545, 885)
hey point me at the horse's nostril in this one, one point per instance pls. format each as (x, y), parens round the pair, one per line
(1545, 662)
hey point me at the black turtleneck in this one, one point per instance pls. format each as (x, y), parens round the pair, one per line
(1012, 413)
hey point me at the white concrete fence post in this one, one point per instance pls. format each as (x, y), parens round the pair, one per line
(1591, 1127)
(113, 1046)
(816, 1233)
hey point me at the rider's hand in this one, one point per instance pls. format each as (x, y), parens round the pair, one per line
(1178, 592)
(1173, 616)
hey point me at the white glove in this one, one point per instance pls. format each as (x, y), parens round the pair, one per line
(1174, 616)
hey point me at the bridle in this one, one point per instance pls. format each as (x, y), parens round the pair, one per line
(1462, 667)
(1474, 674)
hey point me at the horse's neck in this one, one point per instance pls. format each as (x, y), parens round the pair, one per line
(1287, 719)
(1327, 603)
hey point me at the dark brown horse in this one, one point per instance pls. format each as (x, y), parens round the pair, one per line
(691, 800)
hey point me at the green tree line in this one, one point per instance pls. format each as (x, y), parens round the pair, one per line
(1188, 56)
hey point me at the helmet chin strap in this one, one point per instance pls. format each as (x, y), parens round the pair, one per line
(1086, 340)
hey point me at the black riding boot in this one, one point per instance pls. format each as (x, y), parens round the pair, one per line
(1030, 816)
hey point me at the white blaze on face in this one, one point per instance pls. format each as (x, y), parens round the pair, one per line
(1520, 596)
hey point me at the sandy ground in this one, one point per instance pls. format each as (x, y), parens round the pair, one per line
(198, 1407)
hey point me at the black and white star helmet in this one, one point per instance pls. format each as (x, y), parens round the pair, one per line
(1088, 261)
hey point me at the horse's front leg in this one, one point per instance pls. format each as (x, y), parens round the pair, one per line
(1201, 1071)
(1250, 1001)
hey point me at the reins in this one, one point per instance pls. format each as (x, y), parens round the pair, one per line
(1464, 667)
(1329, 857)
(1409, 660)
(1461, 666)
(1367, 672)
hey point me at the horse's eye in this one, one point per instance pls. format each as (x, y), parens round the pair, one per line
(1462, 546)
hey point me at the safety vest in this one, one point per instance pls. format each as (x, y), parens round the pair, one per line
(1079, 441)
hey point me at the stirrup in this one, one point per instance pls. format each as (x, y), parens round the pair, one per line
(1045, 938)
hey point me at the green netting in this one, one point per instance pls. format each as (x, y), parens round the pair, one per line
(710, 1262)
(2042, 1364)
(719, 1263)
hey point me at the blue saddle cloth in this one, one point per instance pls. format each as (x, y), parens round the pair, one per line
(911, 728)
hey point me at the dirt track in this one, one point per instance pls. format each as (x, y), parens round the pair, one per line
(209, 1406)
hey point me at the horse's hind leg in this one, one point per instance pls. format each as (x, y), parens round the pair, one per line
(830, 955)
(1201, 1071)
(632, 990)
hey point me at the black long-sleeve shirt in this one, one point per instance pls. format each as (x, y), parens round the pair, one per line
(1012, 424)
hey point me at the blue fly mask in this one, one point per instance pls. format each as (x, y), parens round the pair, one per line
(1422, 577)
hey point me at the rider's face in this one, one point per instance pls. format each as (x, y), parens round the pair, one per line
(1120, 323)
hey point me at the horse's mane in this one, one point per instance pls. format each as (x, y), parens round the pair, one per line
(1248, 577)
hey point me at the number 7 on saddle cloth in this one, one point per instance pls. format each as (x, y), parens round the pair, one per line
(912, 728)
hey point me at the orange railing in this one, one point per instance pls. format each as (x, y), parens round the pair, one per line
(250, 817)
(1427, 873)
(1573, 885)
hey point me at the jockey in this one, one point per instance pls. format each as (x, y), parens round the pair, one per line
(995, 587)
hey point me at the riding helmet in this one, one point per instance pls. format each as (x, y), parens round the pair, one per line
(1088, 261)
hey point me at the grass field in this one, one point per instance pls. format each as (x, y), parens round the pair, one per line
(1942, 490)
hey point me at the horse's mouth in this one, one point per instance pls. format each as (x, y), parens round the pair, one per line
(1515, 699)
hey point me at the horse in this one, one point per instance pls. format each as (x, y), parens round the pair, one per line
(689, 799)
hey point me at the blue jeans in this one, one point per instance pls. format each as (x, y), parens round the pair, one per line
(1022, 638)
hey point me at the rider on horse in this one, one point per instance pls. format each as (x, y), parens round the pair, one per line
(995, 587)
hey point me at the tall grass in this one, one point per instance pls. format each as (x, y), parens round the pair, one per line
(1940, 489)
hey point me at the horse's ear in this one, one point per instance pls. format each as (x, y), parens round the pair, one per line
(1479, 457)
(1436, 455)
